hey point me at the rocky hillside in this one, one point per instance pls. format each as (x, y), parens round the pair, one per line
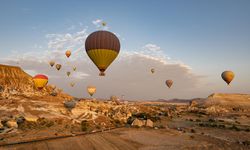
(230, 100)
(15, 82)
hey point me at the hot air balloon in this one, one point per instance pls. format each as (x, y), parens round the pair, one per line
(104, 24)
(91, 90)
(68, 53)
(52, 63)
(72, 84)
(169, 83)
(58, 66)
(152, 70)
(40, 81)
(102, 47)
(227, 76)
(74, 68)
(68, 73)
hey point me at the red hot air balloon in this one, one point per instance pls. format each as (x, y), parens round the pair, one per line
(40, 81)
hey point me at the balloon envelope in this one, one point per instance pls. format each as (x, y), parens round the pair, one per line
(68, 74)
(169, 83)
(74, 68)
(152, 70)
(227, 76)
(68, 53)
(52, 63)
(72, 84)
(91, 90)
(40, 81)
(58, 66)
(102, 48)
(104, 24)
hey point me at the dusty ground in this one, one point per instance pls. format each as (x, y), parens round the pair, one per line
(142, 139)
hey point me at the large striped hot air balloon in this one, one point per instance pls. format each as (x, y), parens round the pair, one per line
(40, 81)
(102, 47)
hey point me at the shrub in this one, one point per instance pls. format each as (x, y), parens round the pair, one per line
(84, 125)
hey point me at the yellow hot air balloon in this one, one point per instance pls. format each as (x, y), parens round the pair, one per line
(104, 24)
(152, 70)
(68, 73)
(58, 66)
(72, 84)
(91, 90)
(74, 68)
(52, 63)
(227, 76)
(102, 47)
(40, 81)
(68, 53)
(169, 83)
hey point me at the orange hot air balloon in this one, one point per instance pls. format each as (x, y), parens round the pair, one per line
(68, 73)
(227, 76)
(152, 70)
(68, 53)
(58, 66)
(52, 63)
(40, 81)
(91, 90)
(169, 83)
(102, 48)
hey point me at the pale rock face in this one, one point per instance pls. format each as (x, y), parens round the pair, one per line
(138, 123)
(31, 118)
(193, 103)
(12, 124)
(1, 125)
(149, 123)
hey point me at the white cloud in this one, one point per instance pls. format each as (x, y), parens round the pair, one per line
(98, 24)
(152, 47)
(65, 41)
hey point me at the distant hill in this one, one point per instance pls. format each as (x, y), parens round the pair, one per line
(176, 100)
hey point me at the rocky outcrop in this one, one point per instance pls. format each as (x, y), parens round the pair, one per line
(12, 124)
(229, 100)
(138, 123)
(149, 123)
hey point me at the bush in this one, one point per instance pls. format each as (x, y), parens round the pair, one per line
(234, 128)
(84, 125)
(193, 131)
(211, 120)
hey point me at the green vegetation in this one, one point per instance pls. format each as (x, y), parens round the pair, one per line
(84, 125)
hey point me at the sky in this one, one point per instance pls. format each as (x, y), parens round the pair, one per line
(191, 42)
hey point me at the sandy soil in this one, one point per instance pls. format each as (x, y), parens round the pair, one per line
(137, 138)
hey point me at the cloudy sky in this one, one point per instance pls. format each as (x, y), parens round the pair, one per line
(190, 42)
